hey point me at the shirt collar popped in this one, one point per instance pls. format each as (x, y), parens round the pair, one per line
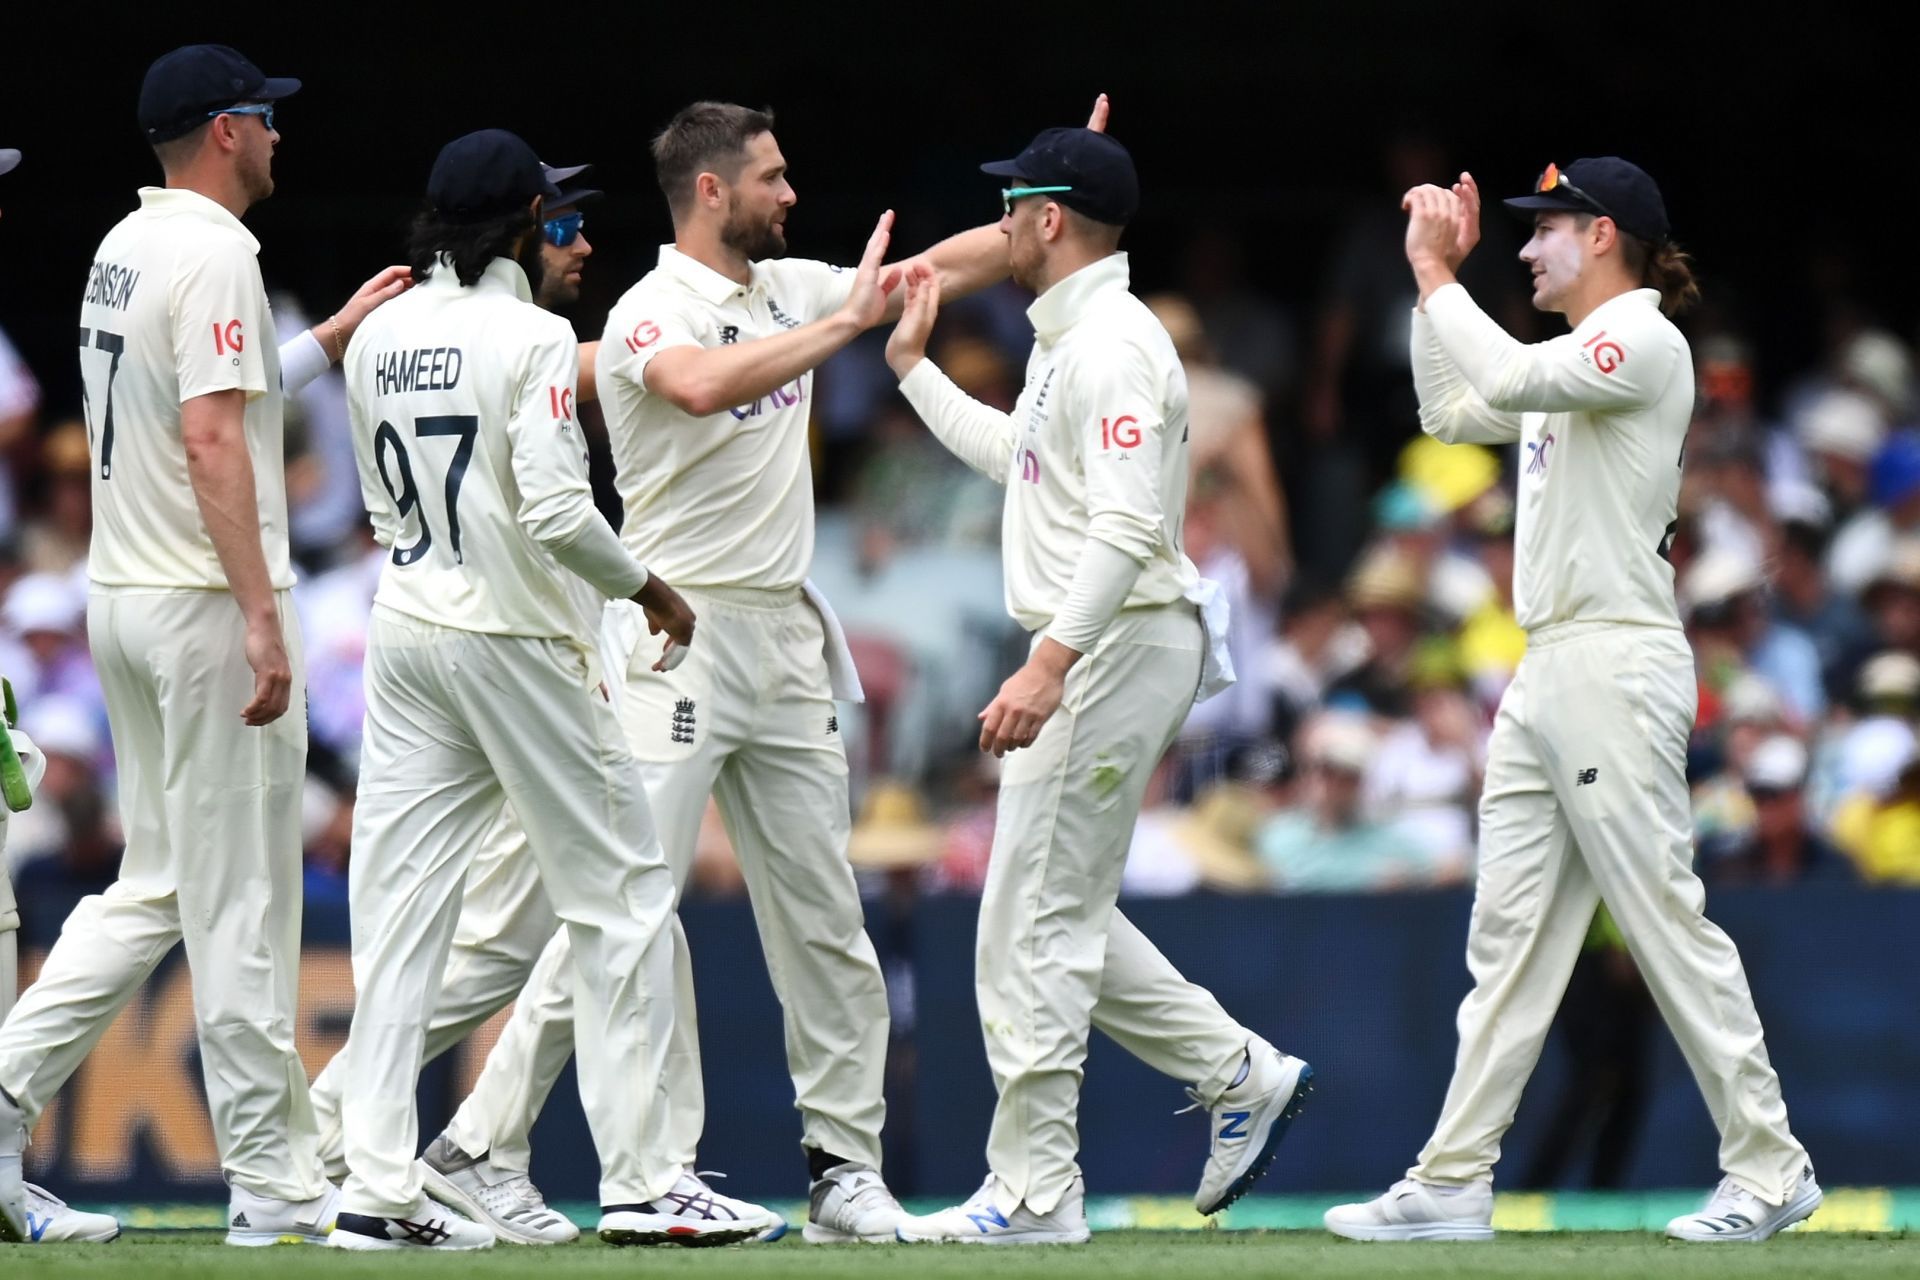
(703, 279)
(193, 204)
(502, 275)
(1070, 300)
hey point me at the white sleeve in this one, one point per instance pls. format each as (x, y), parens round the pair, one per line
(980, 436)
(1603, 366)
(1102, 581)
(302, 359)
(635, 336)
(1451, 411)
(549, 466)
(216, 292)
(822, 288)
(1122, 435)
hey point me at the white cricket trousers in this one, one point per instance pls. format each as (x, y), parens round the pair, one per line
(748, 718)
(1586, 801)
(211, 810)
(1054, 956)
(458, 723)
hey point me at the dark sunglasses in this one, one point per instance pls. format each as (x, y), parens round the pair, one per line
(563, 230)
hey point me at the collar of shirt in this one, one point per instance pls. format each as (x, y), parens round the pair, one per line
(704, 280)
(501, 275)
(1644, 297)
(1068, 301)
(193, 204)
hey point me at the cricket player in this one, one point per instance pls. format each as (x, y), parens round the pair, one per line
(1586, 792)
(197, 652)
(1126, 637)
(505, 916)
(705, 375)
(462, 401)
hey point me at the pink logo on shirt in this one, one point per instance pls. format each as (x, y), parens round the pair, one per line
(1029, 466)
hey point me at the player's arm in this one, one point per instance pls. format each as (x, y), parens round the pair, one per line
(1451, 411)
(980, 436)
(703, 381)
(314, 351)
(589, 372)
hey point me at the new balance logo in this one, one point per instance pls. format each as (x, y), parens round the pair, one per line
(1236, 1124)
(1586, 776)
(729, 334)
(683, 720)
(991, 1218)
(833, 724)
(37, 1227)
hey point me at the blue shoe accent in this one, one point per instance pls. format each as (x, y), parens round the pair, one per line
(1271, 1147)
(37, 1227)
(1236, 1124)
(774, 1232)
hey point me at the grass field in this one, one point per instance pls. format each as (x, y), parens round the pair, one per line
(1113, 1255)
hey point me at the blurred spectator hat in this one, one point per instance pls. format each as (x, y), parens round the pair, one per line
(1384, 579)
(1436, 664)
(65, 452)
(1403, 508)
(1341, 741)
(1895, 474)
(1843, 423)
(1716, 578)
(1491, 515)
(1890, 676)
(61, 724)
(1901, 567)
(1878, 362)
(1449, 476)
(1751, 700)
(9, 159)
(1797, 502)
(1218, 832)
(893, 830)
(1778, 764)
(44, 602)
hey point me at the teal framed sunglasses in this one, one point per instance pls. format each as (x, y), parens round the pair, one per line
(262, 109)
(1009, 194)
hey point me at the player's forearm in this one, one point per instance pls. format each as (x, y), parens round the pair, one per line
(594, 552)
(970, 261)
(980, 436)
(1451, 411)
(589, 388)
(703, 381)
(1430, 273)
(213, 430)
(1102, 581)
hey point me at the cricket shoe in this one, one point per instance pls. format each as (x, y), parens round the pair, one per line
(1736, 1214)
(692, 1214)
(850, 1202)
(1247, 1123)
(257, 1220)
(994, 1216)
(51, 1220)
(429, 1226)
(13, 1185)
(1412, 1210)
(502, 1199)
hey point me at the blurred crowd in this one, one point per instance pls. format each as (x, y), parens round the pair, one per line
(1369, 568)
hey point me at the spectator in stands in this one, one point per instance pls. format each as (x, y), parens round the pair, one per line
(1210, 843)
(1803, 598)
(1892, 598)
(1424, 776)
(1722, 593)
(55, 542)
(1491, 640)
(1330, 846)
(1386, 594)
(1782, 847)
(1840, 432)
(1861, 547)
(1318, 644)
(48, 616)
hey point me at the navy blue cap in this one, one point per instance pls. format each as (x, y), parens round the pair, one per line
(571, 193)
(1096, 168)
(9, 159)
(485, 175)
(183, 86)
(1610, 186)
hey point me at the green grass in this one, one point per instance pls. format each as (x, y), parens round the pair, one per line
(1113, 1255)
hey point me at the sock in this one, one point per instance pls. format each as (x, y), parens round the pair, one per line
(1246, 1069)
(819, 1161)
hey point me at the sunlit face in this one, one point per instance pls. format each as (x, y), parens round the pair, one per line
(253, 160)
(1023, 226)
(1557, 255)
(757, 202)
(561, 269)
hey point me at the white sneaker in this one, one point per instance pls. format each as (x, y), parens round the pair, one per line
(1413, 1210)
(1735, 1213)
(692, 1214)
(13, 1185)
(499, 1198)
(851, 1202)
(430, 1226)
(1248, 1122)
(51, 1220)
(254, 1220)
(992, 1216)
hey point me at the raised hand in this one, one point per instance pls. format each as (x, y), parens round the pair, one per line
(1098, 120)
(1467, 234)
(873, 283)
(1433, 226)
(907, 344)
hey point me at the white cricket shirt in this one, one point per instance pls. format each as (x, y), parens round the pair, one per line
(471, 463)
(725, 500)
(174, 309)
(1601, 415)
(1096, 446)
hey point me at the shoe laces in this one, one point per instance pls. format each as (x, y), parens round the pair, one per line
(1730, 1195)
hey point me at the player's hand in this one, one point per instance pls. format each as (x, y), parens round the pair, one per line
(873, 283)
(667, 612)
(1022, 707)
(272, 673)
(1433, 225)
(389, 284)
(1467, 227)
(1098, 120)
(907, 344)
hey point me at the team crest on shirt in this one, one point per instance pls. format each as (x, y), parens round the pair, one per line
(780, 317)
(683, 721)
(1539, 453)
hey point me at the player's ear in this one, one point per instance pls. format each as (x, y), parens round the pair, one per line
(708, 189)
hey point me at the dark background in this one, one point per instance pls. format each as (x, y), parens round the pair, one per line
(1782, 142)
